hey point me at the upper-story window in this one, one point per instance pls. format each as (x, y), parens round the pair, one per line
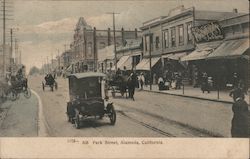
(146, 43)
(173, 37)
(157, 42)
(189, 33)
(181, 35)
(89, 49)
(165, 41)
(101, 45)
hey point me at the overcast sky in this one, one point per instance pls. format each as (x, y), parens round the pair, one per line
(46, 25)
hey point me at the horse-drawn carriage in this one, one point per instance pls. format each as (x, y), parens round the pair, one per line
(49, 81)
(118, 84)
(18, 86)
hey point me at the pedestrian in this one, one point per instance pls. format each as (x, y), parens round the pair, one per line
(235, 80)
(240, 122)
(204, 84)
(131, 85)
(141, 80)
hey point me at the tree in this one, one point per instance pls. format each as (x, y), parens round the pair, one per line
(34, 70)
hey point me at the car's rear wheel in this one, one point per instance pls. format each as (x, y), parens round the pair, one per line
(112, 115)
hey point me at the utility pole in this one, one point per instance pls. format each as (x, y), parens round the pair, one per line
(59, 60)
(4, 36)
(113, 13)
(4, 18)
(16, 52)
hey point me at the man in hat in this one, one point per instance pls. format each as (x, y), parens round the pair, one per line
(240, 121)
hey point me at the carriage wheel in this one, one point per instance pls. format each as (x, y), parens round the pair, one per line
(27, 93)
(77, 120)
(112, 115)
(12, 95)
(56, 86)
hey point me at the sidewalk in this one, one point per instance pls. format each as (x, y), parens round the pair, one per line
(191, 92)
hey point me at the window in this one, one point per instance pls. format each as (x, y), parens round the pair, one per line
(102, 45)
(173, 37)
(89, 49)
(147, 40)
(157, 41)
(165, 34)
(189, 26)
(181, 35)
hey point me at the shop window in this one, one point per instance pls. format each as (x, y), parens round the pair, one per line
(181, 35)
(189, 33)
(173, 37)
(165, 34)
(157, 42)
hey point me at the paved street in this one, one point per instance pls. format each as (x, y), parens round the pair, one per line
(150, 115)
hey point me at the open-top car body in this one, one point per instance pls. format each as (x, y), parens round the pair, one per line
(87, 98)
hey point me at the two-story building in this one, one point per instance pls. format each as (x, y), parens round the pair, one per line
(168, 38)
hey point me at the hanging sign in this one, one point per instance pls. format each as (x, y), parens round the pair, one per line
(207, 32)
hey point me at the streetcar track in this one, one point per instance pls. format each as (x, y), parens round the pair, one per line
(183, 125)
(146, 125)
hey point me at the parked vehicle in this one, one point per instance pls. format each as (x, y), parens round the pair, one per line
(87, 98)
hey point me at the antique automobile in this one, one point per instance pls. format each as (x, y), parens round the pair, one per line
(49, 81)
(88, 98)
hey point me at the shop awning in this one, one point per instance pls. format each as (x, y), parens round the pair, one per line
(145, 63)
(106, 53)
(197, 55)
(230, 49)
(175, 56)
(124, 61)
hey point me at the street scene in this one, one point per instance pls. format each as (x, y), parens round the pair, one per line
(157, 69)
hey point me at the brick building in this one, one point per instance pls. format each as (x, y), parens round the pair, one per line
(88, 40)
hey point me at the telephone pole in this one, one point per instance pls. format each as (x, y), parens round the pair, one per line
(5, 9)
(113, 13)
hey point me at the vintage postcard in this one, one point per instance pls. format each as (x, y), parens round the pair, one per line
(124, 79)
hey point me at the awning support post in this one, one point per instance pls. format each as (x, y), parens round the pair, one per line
(218, 93)
(183, 88)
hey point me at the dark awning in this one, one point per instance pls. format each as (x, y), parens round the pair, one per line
(145, 63)
(230, 49)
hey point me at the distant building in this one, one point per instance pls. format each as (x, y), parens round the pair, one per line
(88, 40)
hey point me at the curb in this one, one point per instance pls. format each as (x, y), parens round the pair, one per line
(42, 124)
(186, 96)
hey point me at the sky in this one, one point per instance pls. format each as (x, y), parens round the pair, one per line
(43, 27)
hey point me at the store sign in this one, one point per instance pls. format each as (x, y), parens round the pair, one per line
(208, 32)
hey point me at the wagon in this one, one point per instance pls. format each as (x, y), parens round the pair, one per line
(88, 98)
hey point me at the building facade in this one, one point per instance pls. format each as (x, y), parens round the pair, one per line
(168, 38)
(88, 40)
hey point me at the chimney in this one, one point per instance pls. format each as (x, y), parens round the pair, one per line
(235, 10)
